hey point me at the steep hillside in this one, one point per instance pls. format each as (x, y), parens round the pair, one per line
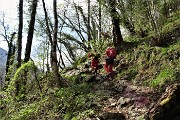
(151, 66)
(142, 74)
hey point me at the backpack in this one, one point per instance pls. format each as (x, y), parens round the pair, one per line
(110, 60)
(112, 53)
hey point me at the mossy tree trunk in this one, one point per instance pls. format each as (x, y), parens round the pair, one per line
(168, 106)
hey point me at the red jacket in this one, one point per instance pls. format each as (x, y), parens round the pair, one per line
(94, 63)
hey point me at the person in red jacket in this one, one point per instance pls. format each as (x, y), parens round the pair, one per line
(94, 61)
(110, 56)
(94, 64)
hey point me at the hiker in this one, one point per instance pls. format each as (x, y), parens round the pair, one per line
(110, 56)
(95, 62)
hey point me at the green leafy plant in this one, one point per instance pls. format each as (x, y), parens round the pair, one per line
(24, 113)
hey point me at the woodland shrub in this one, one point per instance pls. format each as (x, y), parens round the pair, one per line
(76, 101)
(17, 92)
(23, 78)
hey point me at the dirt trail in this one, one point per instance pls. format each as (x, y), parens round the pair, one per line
(123, 97)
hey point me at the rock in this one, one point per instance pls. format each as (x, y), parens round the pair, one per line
(90, 78)
(112, 101)
(112, 116)
(122, 102)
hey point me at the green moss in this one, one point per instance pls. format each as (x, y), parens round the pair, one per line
(24, 67)
(163, 76)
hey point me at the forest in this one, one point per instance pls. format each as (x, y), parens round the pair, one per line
(53, 80)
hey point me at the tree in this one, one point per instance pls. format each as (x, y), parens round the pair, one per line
(117, 36)
(100, 10)
(19, 43)
(125, 14)
(29, 42)
(30, 31)
(11, 52)
(53, 42)
(151, 10)
(88, 25)
(54, 62)
(11, 47)
(78, 28)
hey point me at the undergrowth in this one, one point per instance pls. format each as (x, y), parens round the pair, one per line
(151, 66)
(74, 102)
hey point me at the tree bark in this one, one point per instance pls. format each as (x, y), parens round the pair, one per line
(117, 36)
(20, 33)
(11, 52)
(99, 33)
(61, 58)
(47, 59)
(88, 27)
(30, 31)
(54, 62)
(48, 31)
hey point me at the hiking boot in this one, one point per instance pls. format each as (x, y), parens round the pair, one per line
(108, 76)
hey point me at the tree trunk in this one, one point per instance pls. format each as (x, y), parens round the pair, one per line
(19, 42)
(166, 10)
(99, 33)
(61, 58)
(54, 62)
(125, 16)
(88, 27)
(47, 59)
(117, 36)
(11, 52)
(31, 31)
(153, 22)
(53, 42)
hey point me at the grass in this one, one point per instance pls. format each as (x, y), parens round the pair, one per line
(163, 77)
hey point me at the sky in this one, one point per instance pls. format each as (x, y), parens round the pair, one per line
(9, 9)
